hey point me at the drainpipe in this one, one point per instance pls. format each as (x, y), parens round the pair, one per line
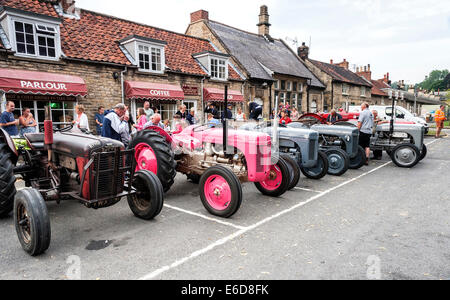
(332, 94)
(121, 84)
(307, 96)
(203, 101)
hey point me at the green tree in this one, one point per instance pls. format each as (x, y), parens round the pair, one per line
(434, 81)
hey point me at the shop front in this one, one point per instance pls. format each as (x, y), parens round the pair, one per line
(163, 97)
(217, 97)
(36, 90)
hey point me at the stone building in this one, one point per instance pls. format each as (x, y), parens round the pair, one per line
(54, 54)
(271, 69)
(343, 87)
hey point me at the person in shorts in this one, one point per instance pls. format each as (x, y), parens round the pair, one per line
(365, 126)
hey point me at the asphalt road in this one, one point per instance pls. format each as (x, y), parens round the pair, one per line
(380, 222)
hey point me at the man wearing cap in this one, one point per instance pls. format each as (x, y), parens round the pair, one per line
(116, 123)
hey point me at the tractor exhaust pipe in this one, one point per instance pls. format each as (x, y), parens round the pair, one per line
(48, 133)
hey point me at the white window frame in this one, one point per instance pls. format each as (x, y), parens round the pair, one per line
(151, 48)
(34, 22)
(345, 89)
(276, 84)
(363, 91)
(221, 62)
(300, 87)
(289, 86)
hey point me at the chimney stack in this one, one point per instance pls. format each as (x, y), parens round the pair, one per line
(303, 51)
(365, 72)
(264, 25)
(68, 6)
(199, 16)
(343, 64)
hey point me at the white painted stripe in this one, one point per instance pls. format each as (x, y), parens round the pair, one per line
(203, 216)
(239, 233)
(307, 190)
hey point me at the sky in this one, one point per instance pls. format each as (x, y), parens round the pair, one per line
(407, 38)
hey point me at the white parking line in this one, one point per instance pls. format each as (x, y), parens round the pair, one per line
(203, 216)
(239, 233)
(307, 190)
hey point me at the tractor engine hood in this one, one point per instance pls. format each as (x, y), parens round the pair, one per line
(336, 130)
(81, 145)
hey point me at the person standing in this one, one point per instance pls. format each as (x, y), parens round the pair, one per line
(191, 117)
(365, 126)
(440, 118)
(27, 122)
(229, 113)
(295, 116)
(333, 117)
(99, 117)
(142, 119)
(148, 111)
(7, 120)
(81, 121)
(285, 120)
(115, 124)
(255, 110)
(182, 112)
(240, 116)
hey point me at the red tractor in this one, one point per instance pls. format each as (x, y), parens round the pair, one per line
(60, 165)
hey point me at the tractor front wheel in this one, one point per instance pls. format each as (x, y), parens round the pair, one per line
(7, 181)
(424, 152)
(148, 201)
(32, 221)
(278, 180)
(220, 191)
(338, 161)
(153, 153)
(359, 160)
(405, 155)
(320, 170)
(294, 171)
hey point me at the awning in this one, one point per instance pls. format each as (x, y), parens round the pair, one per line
(212, 94)
(153, 91)
(41, 83)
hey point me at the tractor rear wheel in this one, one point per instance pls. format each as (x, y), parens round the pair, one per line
(294, 171)
(148, 201)
(405, 155)
(338, 161)
(359, 160)
(320, 170)
(7, 182)
(32, 221)
(153, 153)
(220, 191)
(278, 180)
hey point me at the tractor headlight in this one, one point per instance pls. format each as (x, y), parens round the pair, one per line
(348, 138)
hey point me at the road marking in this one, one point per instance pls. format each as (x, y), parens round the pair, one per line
(307, 190)
(204, 217)
(243, 231)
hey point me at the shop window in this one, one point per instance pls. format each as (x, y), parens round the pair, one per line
(36, 40)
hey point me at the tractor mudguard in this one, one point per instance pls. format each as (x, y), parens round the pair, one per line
(6, 138)
(161, 132)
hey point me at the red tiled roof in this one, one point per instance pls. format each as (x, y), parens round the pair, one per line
(95, 37)
(341, 74)
(37, 6)
(378, 85)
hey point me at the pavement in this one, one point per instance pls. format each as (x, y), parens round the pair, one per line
(379, 222)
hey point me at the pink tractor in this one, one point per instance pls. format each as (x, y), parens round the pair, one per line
(198, 152)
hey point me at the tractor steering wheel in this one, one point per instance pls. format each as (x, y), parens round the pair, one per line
(64, 129)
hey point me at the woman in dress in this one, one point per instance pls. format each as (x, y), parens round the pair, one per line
(295, 115)
(27, 122)
(141, 120)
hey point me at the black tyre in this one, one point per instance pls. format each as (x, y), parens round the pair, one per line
(32, 221)
(220, 191)
(278, 182)
(194, 178)
(405, 155)
(148, 201)
(320, 170)
(423, 153)
(155, 155)
(338, 161)
(7, 181)
(294, 171)
(359, 160)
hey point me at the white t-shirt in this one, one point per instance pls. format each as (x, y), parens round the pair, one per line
(240, 117)
(83, 122)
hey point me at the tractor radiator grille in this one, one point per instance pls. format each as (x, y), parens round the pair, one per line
(312, 150)
(108, 173)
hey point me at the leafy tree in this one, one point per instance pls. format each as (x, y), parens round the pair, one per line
(434, 81)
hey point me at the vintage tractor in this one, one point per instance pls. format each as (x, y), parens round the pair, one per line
(60, 165)
(300, 144)
(199, 152)
(340, 143)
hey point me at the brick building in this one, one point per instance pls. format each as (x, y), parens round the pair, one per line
(272, 70)
(109, 60)
(343, 87)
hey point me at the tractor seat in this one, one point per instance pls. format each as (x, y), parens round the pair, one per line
(36, 140)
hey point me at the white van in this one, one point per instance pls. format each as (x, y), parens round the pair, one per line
(401, 114)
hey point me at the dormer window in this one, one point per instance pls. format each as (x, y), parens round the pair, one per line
(32, 35)
(216, 64)
(148, 54)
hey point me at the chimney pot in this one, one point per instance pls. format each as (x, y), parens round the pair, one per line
(264, 25)
(303, 51)
(199, 15)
